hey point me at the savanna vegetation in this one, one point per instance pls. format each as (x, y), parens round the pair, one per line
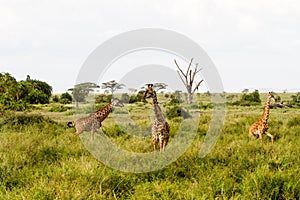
(41, 159)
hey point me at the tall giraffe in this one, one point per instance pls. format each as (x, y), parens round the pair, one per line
(93, 121)
(160, 127)
(260, 127)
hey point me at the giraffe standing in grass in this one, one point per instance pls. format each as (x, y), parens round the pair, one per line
(160, 127)
(261, 126)
(93, 121)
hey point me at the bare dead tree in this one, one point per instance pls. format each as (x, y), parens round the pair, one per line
(188, 79)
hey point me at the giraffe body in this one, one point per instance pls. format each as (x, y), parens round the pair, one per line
(93, 122)
(160, 127)
(89, 123)
(260, 127)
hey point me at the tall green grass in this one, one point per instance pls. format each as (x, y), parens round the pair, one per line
(40, 158)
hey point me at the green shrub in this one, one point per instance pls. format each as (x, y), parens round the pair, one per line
(16, 121)
(55, 98)
(113, 131)
(102, 98)
(249, 99)
(137, 98)
(176, 111)
(58, 108)
(203, 106)
(65, 98)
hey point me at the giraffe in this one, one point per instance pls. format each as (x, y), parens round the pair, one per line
(103, 112)
(93, 121)
(160, 127)
(260, 127)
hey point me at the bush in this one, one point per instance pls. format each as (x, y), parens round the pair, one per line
(176, 111)
(23, 120)
(55, 98)
(59, 108)
(249, 99)
(137, 98)
(102, 98)
(65, 98)
(205, 106)
(113, 131)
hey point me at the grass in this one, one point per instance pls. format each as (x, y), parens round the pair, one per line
(41, 159)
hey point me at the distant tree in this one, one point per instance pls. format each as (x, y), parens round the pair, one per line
(81, 91)
(188, 79)
(159, 86)
(55, 98)
(245, 91)
(41, 86)
(15, 95)
(39, 91)
(112, 86)
(65, 98)
(7, 82)
(252, 97)
(132, 90)
(249, 99)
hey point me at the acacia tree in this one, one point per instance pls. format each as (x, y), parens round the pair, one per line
(132, 90)
(188, 79)
(156, 86)
(112, 86)
(81, 91)
(159, 86)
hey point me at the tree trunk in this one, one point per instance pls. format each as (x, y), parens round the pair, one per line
(189, 98)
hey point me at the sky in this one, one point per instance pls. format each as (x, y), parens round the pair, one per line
(253, 44)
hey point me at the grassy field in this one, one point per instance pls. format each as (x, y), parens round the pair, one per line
(41, 159)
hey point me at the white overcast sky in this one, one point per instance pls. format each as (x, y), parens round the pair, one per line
(253, 43)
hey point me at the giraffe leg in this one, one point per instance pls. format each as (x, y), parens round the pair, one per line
(161, 145)
(154, 141)
(271, 136)
(260, 136)
(166, 140)
(92, 135)
(77, 132)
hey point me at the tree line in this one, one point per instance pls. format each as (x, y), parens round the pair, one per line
(19, 95)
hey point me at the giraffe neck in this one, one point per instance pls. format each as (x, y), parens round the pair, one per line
(158, 113)
(265, 115)
(102, 113)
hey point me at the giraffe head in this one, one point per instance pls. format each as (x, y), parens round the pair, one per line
(116, 102)
(271, 96)
(149, 92)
